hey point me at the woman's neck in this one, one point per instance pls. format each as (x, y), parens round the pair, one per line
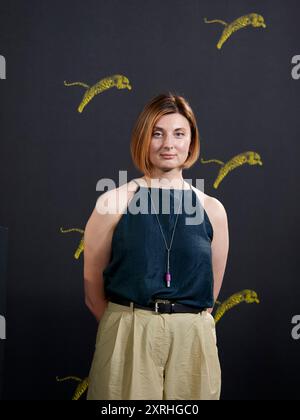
(164, 182)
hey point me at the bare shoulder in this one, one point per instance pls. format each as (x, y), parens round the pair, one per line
(115, 200)
(213, 207)
(110, 205)
(101, 224)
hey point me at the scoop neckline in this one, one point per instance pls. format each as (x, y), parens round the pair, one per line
(167, 189)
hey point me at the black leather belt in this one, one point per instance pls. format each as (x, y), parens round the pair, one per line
(158, 305)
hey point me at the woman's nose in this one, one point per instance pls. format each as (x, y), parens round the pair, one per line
(168, 141)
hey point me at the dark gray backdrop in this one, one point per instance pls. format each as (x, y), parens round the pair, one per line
(51, 156)
(3, 281)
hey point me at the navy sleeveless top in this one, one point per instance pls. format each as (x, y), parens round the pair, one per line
(138, 262)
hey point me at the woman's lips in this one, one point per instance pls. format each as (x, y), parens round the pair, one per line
(168, 156)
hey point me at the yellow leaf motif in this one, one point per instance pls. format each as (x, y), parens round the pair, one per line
(81, 388)
(250, 157)
(252, 19)
(119, 81)
(248, 296)
(81, 244)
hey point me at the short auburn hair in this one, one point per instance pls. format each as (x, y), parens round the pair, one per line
(162, 104)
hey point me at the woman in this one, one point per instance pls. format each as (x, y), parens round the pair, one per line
(151, 279)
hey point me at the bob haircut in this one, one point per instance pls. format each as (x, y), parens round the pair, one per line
(165, 103)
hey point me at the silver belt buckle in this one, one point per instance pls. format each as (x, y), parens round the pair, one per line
(157, 301)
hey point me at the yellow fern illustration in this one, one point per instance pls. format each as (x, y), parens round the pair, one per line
(119, 81)
(81, 244)
(248, 296)
(250, 157)
(81, 387)
(252, 19)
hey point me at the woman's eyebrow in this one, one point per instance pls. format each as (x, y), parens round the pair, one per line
(160, 128)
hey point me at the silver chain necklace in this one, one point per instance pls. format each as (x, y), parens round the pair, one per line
(168, 276)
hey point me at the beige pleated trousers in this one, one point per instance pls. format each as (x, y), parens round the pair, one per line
(144, 355)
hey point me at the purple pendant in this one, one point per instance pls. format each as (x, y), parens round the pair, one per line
(168, 279)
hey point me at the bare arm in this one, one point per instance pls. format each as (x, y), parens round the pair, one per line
(97, 251)
(220, 243)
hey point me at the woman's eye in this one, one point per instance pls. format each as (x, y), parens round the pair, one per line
(160, 133)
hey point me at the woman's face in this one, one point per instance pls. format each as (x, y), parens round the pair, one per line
(171, 135)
